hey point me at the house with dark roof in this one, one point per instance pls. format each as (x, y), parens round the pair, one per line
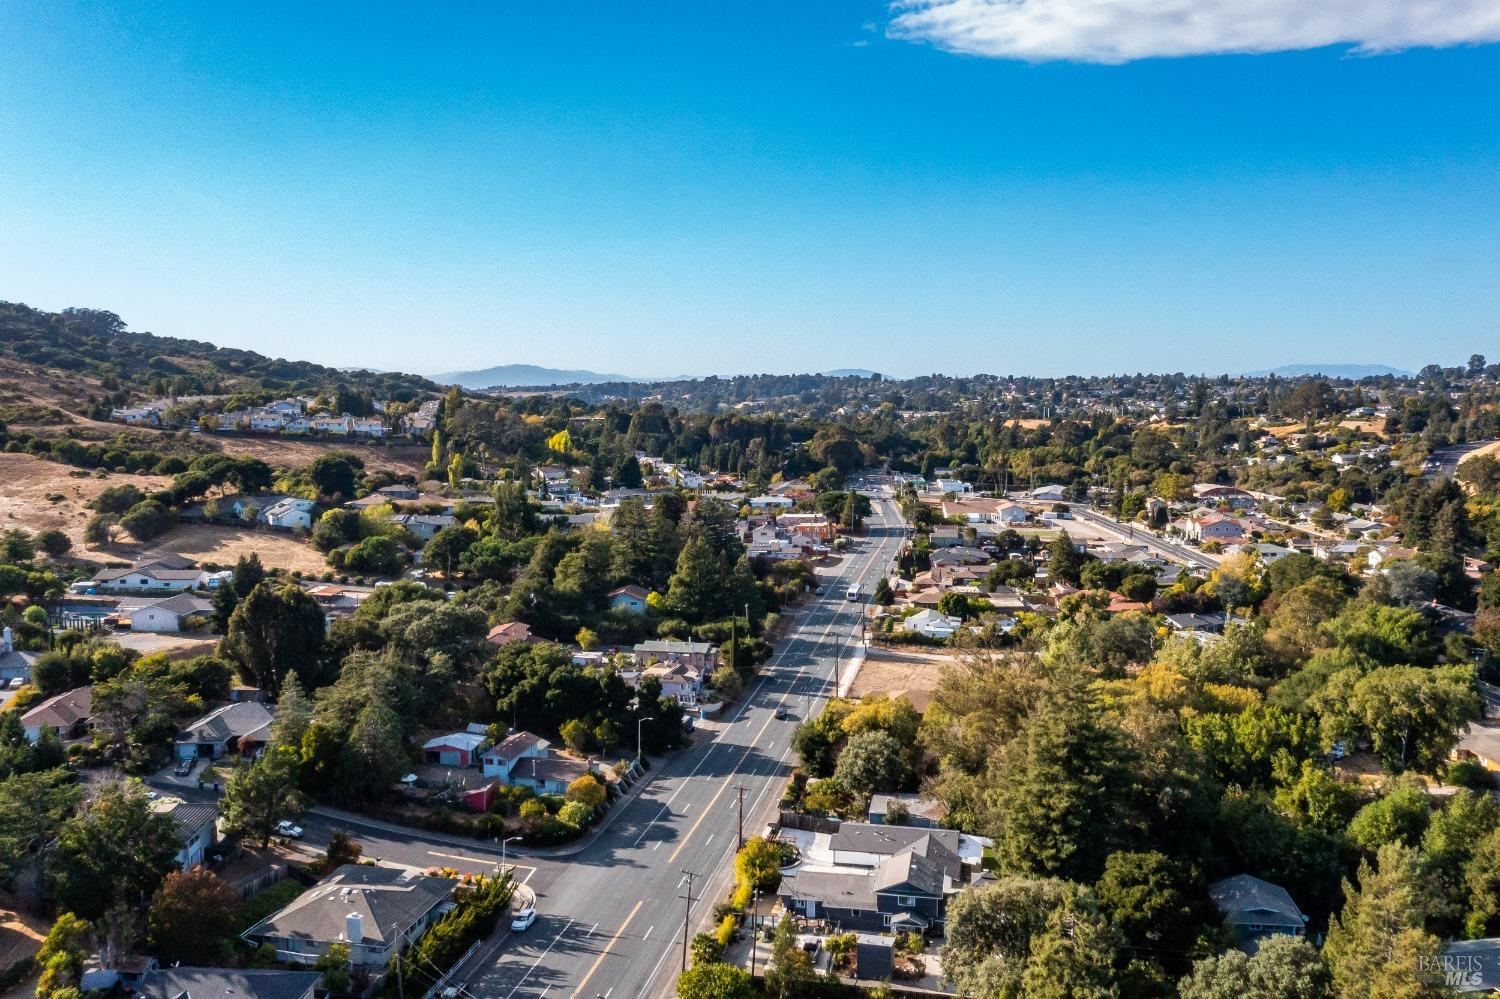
(1254, 910)
(376, 911)
(231, 728)
(885, 878)
(167, 615)
(197, 828)
(68, 715)
(227, 983)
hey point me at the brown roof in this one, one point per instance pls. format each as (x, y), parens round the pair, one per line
(62, 710)
(512, 746)
(511, 631)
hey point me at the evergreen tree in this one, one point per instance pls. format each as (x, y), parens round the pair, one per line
(1377, 946)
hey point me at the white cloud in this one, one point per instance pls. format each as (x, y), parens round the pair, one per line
(1114, 31)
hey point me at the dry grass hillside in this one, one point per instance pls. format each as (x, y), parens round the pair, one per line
(40, 495)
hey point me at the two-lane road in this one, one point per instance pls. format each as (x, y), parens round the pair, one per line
(612, 919)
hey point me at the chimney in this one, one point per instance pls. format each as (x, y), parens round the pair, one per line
(354, 928)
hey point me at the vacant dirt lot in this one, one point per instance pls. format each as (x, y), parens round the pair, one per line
(205, 543)
(909, 673)
(403, 459)
(20, 934)
(26, 482)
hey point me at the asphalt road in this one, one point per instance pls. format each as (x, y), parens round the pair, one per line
(1444, 462)
(1171, 550)
(611, 918)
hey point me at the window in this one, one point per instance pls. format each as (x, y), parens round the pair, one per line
(886, 920)
(906, 900)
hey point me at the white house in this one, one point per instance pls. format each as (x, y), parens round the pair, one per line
(951, 486)
(166, 616)
(142, 415)
(332, 424)
(1047, 494)
(932, 624)
(167, 574)
(291, 513)
(771, 503)
(266, 422)
(370, 427)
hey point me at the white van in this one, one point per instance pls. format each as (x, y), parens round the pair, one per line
(855, 593)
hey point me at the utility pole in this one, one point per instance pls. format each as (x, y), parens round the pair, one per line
(687, 915)
(754, 929)
(741, 789)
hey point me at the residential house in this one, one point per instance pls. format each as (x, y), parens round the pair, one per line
(338, 425)
(197, 828)
(168, 574)
(884, 878)
(511, 631)
(950, 487)
(367, 427)
(148, 416)
(501, 758)
(1212, 494)
(456, 749)
(1480, 742)
(1335, 550)
(14, 663)
(240, 726)
(958, 555)
(946, 536)
(1211, 622)
(227, 983)
(264, 421)
(630, 599)
(526, 760)
(703, 655)
(376, 911)
(1047, 494)
(166, 615)
(932, 624)
(68, 715)
(292, 513)
(423, 526)
(772, 502)
(1213, 526)
(1254, 910)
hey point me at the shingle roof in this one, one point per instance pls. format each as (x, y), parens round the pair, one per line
(512, 746)
(181, 604)
(882, 840)
(388, 898)
(62, 710)
(226, 983)
(1243, 894)
(230, 722)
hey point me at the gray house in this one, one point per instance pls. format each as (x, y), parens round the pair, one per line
(375, 910)
(1256, 909)
(14, 664)
(223, 730)
(906, 888)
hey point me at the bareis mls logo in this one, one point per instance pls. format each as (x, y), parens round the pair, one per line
(1457, 971)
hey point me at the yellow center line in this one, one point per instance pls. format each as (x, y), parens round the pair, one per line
(605, 952)
(722, 788)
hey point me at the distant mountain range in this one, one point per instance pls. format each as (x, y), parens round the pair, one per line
(849, 373)
(1353, 371)
(509, 375)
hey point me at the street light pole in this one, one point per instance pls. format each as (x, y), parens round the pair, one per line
(638, 723)
(503, 841)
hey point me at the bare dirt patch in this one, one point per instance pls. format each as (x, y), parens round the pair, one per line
(279, 452)
(26, 482)
(1376, 427)
(21, 934)
(224, 545)
(909, 673)
(1492, 449)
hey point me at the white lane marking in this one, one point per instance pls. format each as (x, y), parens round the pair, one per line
(645, 936)
(539, 961)
(656, 846)
(593, 928)
(709, 840)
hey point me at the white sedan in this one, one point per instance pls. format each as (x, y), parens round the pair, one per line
(288, 829)
(523, 920)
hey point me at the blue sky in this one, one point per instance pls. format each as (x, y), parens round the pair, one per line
(695, 188)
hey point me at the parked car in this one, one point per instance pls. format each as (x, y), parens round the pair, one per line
(185, 767)
(288, 829)
(523, 920)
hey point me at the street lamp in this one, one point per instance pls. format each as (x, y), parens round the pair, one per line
(503, 841)
(638, 723)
